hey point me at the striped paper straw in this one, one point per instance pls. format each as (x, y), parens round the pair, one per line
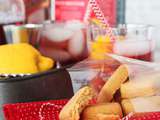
(92, 4)
(87, 13)
(127, 117)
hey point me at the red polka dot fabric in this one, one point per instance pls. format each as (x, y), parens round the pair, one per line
(49, 110)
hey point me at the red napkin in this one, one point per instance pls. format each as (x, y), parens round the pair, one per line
(49, 110)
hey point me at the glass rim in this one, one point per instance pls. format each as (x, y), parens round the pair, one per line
(63, 23)
(135, 25)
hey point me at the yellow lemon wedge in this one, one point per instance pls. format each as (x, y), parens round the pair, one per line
(100, 46)
(22, 58)
(103, 38)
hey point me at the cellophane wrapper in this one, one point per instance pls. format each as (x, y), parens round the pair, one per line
(92, 72)
(143, 86)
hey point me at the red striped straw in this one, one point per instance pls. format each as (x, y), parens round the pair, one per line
(92, 4)
(88, 12)
(128, 116)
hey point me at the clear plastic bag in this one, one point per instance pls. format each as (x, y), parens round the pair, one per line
(137, 68)
(92, 72)
(143, 76)
(142, 89)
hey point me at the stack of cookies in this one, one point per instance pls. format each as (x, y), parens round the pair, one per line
(141, 94)
(109, 108)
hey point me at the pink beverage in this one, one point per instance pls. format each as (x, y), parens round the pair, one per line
(64, 42)
(141, 50)
(137, 42)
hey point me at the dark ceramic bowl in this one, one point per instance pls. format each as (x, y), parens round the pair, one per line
(50, 85)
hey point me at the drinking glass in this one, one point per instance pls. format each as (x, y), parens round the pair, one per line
(64, 42)
(131, 40)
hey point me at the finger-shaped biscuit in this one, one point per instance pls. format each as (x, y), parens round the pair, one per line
(99, 111)
(113, 84)
(78, 102)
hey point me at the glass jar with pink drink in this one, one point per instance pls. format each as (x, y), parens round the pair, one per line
(64, 42)
(135, 41)
(132, 40)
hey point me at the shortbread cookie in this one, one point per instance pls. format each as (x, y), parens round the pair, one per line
(108, 117)
(113, 84)
(101, 111)
(141, 104)
(78, 102)
(146, 85)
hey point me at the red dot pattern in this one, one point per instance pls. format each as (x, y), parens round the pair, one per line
(49, 110)
(31, 111)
